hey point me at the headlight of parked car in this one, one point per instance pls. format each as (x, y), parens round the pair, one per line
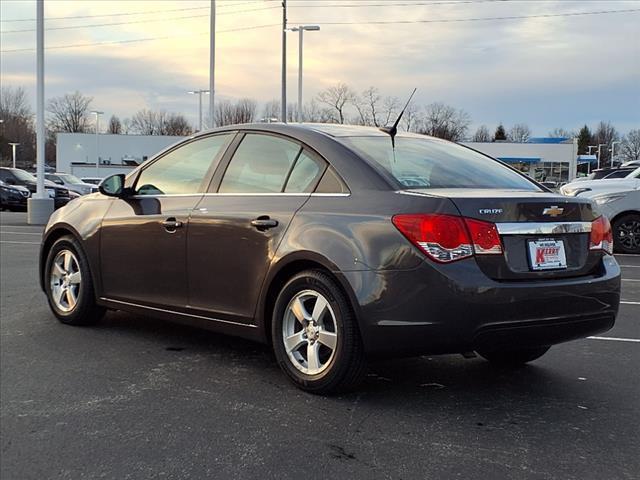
(602, 199)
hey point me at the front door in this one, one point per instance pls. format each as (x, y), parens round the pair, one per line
(143, 237)
(235, 231)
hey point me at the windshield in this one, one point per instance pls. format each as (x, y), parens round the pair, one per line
(433, 163)
(634, 174)
(68, 178)
(22, 175)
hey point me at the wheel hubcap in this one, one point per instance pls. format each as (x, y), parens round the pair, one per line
(65, 280)
(629, 234)
(309, 332)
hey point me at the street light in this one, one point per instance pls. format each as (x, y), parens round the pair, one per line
(613, 145)
(301, 29)
(97, 114)
(13, 150)
(199, 93)
(600, 145)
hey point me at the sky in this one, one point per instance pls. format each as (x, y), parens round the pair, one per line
(545, 71)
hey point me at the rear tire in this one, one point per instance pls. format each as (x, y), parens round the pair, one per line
(315, 336)
(626, 233)
(513, 358)
(69, 285)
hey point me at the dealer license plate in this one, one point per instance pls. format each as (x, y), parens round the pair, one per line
(547, 254)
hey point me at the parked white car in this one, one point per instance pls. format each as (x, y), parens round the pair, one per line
(631, 181)
(620, 202)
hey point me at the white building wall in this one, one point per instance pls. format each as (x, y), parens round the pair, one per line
(77, 152)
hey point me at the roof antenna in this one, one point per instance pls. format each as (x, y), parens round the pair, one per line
(393, 130)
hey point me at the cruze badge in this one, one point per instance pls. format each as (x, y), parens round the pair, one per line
(554, 211)
(490, 211)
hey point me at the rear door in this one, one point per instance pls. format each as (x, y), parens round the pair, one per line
(143, 237)
(237, 227)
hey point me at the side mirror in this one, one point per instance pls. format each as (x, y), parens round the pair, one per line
(113, 186)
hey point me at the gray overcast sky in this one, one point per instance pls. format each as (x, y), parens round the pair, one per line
(548, 72)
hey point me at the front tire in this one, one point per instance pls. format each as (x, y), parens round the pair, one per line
(626, 233)
(513, 358)
(315, 336)
(69, 285)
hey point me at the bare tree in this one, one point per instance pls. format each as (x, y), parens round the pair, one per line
(444, 121)
(482, 134)
(605, 134)
(271, 111)
(519, 133)
(17, 126)
(243, 111)
(412, 117)
(562, 133)
(148, 122)
(115, 125)
(337, 97)
(630, 147)
(177, 125)
(70, 113)
(126, 126)
(390, 109)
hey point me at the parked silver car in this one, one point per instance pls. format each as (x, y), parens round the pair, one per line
(71, 182)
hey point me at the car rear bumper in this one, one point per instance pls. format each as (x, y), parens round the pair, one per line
(456, 308)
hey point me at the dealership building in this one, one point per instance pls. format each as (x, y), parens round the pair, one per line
(544, 159)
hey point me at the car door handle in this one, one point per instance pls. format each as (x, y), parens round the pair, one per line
(171, 224)
(264, 223)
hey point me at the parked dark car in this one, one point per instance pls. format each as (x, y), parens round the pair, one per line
(16, 176)
(609, 173)
(13, 197)
(334, 247)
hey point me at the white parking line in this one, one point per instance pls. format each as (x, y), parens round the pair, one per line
(615, 339)
(20, 233)
(624, 302)
(630, 280)
(23, 243)
(630, 266)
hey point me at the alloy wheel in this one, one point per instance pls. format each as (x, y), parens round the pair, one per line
(65, 280)
(629, 234)
(309, 332)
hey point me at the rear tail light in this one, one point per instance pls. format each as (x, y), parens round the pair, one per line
(601, 235)
(447, 238)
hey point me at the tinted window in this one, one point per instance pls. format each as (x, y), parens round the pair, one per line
(304, 174)
(183, 169)
(432, 163)
(331, 183)
(260, 165)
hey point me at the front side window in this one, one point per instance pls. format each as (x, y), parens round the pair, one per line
(432, 163)
(260, 165)
(182, 170)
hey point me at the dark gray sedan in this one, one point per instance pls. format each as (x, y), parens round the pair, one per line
(335, 245)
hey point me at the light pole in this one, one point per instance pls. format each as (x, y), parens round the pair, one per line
(13, 151)
(600, 145)
(283, 99)
(301, 29)
(97, 114)
(212, 62)
(613, 145)
(199, 93)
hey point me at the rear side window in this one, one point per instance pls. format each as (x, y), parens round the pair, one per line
(261, 164)
(432, 163)
(182, 170)
(304, 175)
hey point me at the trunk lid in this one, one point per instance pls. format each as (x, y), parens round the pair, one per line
(527, 221)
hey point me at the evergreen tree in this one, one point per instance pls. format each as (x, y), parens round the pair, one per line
(500, 134)
(584, 140)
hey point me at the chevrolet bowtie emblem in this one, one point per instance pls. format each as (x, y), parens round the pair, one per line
(554, 211)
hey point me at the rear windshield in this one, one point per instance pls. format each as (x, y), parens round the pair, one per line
(432, 163)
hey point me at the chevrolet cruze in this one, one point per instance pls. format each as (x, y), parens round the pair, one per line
(335, 244)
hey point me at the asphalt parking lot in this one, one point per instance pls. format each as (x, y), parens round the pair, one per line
(139, 398)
